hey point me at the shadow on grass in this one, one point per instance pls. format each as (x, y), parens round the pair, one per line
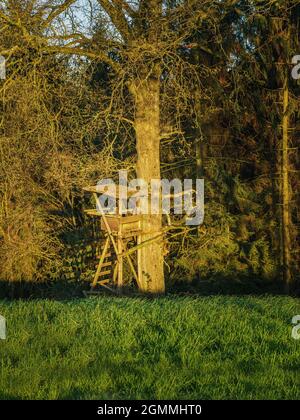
(229, 286)
(68, 290)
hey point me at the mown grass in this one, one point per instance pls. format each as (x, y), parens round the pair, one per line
(167, 348)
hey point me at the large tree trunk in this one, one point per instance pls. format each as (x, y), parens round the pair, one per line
(146, 95)
(285, 221)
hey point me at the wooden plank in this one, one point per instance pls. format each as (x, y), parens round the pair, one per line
(130, 227)
(107, 255)
(115, 275)
(139, 264)
(131, 234)
(107, 264)
(106, 281)
(104, 273)
(120, 265)
(113, 223)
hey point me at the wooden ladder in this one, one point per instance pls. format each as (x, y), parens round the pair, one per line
(104, 273)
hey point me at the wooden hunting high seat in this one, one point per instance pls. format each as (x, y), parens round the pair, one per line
(119, 230)
(124, 233)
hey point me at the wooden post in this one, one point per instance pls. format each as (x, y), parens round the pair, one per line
(120, 261)
(139, 262)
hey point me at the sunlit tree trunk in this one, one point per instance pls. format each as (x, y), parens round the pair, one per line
(285, 219)
(146, 95)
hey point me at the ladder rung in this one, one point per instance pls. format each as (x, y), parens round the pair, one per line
(106, 256)
(104, 273)
(104, 265)
(107, 264)
(106, 281)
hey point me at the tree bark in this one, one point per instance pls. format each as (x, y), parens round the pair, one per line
(146, 95)
(285, 222)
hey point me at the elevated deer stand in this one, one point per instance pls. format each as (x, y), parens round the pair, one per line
(118, 230)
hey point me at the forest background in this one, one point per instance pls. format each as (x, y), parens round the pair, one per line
(177, 89)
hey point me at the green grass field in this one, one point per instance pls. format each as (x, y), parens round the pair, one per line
(168, 348)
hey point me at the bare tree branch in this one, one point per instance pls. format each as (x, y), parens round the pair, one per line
(117, 17)
(83, 53)
(58, 11)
